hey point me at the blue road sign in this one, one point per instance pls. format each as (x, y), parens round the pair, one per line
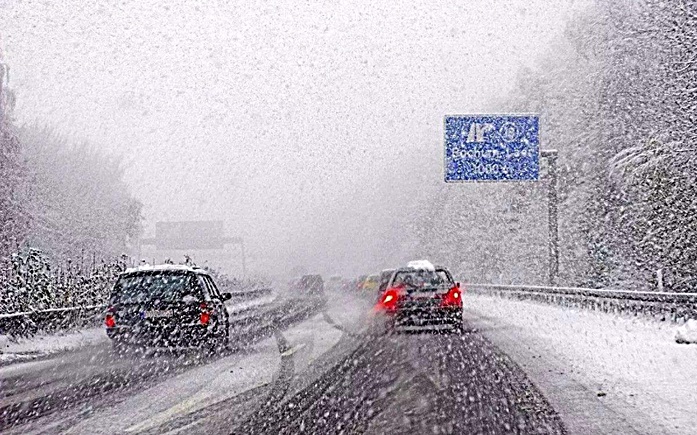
(492, 148)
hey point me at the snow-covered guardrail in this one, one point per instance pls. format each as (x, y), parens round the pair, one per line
(252, 293)
(49, 311)
(28, 323)
(673, 306)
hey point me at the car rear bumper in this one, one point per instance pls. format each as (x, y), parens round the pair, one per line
(427, 317)
(181, 336)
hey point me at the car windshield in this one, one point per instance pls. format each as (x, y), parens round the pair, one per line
(164, 287)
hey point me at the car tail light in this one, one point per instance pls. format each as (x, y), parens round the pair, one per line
(205, 316)
(110, 318)
(388, 301)
(453, 298)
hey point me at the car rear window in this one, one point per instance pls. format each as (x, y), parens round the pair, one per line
(445, 276)
(169, 287)
(422, 278)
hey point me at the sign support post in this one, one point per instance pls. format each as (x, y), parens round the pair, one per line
(553, 215)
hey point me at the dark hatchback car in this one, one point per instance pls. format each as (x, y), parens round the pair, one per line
(167, 306)
(420, 296)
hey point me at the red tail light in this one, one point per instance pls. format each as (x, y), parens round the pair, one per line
(453, 298)
(205, 317)
(109, 320)
(388, 301)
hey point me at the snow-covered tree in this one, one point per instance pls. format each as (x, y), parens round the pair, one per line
(13, 218)
(617, 96)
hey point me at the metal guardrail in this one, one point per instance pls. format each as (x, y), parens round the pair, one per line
(676, 307)
(28, 323)
(49, 310)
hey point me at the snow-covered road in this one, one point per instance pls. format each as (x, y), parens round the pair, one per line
(24, 349)
(158, 393)
(603, 373)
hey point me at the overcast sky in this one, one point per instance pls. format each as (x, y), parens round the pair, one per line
(308, 128)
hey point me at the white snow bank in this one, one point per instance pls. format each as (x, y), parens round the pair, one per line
(43, 344)
(687, 333)
(253, 303)
(642, 373)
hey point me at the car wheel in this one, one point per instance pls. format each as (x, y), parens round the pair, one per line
(220, 342)
(226, 336)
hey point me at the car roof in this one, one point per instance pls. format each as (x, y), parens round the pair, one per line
(414, 269)
(166, 268)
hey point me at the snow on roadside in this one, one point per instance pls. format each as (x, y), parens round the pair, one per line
(24, 349)
(687, 333)
(634, 363)
(253, 303)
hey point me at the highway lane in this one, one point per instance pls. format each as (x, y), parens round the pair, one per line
(404, 383)
(415, 383)
(321, 375)
(85, 379)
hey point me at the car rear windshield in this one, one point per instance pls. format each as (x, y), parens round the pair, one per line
(422, 278)
(168, 287)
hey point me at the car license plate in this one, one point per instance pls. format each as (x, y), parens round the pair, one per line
(155, 314)
(422, 295)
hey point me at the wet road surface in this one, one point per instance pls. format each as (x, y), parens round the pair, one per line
(415, 383)
(322, 375)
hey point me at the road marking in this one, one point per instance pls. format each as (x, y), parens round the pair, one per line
(197, 401)
(200, 400)
(292, 350)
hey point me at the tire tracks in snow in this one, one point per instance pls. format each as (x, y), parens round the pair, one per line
(282, 380)
(69, 392)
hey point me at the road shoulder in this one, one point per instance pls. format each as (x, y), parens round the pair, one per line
(574, 359)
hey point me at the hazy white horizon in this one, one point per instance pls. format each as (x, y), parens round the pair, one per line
(312, 130)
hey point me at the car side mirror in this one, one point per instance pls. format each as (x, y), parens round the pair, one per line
(227, 296)
(457, 284)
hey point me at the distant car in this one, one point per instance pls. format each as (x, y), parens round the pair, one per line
(420, 296)
(167, 306)
(310, 288)
(359, 282)
(370, 284)
(335, 283)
